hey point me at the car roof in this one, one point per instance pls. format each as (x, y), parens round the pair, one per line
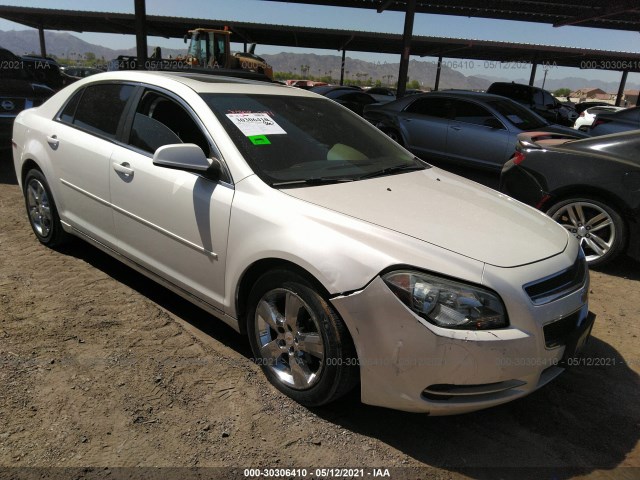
(200, 82)
(468, 94)
(7, 54)
(330, 88)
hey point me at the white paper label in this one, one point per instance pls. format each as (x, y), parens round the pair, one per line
(251, 124)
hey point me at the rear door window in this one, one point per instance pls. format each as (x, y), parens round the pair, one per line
(434, 107)
(100, 108)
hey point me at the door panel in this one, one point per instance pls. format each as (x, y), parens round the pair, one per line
(81, 163)
(477, 136)
(172, 222)
(479, 144)
(425, 125)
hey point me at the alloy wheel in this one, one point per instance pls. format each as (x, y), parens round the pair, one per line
(288, 336)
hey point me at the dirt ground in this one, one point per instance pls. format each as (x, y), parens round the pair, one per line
(100, 367)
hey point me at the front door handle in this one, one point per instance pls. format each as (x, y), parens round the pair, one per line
(455, 127)
(53, 142)
(124, 168)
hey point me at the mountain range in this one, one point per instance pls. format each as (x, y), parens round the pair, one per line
(65, 45)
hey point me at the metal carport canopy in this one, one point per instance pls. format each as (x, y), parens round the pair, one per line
(285, 35)
(610, 14)
(332, 39)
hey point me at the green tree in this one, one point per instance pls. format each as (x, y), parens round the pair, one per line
(562, 92)
(414, 85)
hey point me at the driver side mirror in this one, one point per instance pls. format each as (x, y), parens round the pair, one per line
(188, 157)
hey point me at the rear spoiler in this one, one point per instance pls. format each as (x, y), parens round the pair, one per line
(538, 140)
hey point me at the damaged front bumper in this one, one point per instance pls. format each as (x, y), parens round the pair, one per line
(409, 364)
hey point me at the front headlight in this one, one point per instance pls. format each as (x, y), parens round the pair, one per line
(447, 303)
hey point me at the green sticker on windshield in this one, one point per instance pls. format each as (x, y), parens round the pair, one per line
(259, 140)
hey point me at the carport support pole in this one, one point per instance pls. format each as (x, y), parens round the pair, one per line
(534, 67)
(438, 70)
(406, 47)
(344, 53)
(623, 82)
(141, 33)
(43, 46)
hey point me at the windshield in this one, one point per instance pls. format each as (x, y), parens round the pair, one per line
(289, 141)
(521, 117)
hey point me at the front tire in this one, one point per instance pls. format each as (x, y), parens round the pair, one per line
(299, 340)
(42, 211)
(599, 228)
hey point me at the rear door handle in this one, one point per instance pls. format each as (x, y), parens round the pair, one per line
(124, 168)
(53, 142)
(455, 127)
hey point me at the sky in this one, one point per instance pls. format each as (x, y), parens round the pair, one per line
(260, 11)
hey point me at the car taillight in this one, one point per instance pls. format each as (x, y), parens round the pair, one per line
(518, 158)
(582, 114)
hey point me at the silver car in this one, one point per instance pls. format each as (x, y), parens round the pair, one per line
(341, 256)
(458, 126)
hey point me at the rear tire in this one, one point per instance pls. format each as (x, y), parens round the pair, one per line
(42, 211)
(299, 340)
(598, 227)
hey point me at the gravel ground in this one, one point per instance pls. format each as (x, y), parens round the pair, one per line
(100, 367)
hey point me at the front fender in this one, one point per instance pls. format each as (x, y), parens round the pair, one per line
(342, 253)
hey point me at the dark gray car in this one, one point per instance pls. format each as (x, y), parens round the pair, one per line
(606, 123)
(459, 126)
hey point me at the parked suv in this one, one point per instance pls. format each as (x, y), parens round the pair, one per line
(18, 90)
(536, 99)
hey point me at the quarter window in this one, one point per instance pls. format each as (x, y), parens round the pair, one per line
(70, 109)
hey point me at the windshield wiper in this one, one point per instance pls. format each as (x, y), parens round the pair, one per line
(312, 181)
(391, 170)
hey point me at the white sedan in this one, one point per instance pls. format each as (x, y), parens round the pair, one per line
(340, 255)
(587, 116)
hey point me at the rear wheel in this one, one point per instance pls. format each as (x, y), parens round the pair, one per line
(42, 211)
(599, 227)
(299, 340)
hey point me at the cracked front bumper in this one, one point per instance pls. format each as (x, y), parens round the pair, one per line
(409, 364)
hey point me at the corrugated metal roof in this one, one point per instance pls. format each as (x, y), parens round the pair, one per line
(611, 14)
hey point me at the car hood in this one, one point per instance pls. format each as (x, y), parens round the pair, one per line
(448, 211)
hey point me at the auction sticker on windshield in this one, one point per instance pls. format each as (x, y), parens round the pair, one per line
(251, 124)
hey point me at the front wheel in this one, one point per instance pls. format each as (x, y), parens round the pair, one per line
(42, 211)
(299, 340)
(599, 227)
